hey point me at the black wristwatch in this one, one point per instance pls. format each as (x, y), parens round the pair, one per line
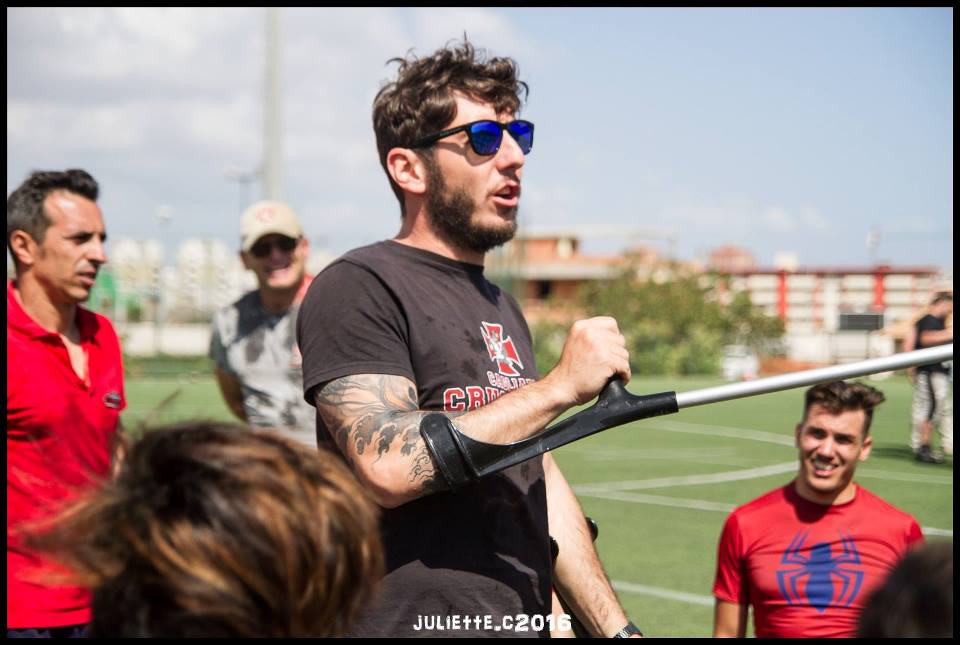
(627, 631)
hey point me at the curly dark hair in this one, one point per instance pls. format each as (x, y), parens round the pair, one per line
(218, 530)
(421, 100)
(840, 396)
(25, 204)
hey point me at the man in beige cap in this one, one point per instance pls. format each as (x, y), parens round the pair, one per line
(258, 363)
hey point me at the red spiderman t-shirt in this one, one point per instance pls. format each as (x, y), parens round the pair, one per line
(806, 568)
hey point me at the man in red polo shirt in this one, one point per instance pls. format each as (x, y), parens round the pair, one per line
(807, 555)
(64, 384)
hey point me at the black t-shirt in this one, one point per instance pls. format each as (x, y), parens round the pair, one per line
(484, 550)
(930, 323)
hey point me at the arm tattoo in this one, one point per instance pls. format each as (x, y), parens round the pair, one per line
(378, 412)
(424, 472)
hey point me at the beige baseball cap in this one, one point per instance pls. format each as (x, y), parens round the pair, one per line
(268, 217)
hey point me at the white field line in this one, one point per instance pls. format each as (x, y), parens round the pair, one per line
(904, 477)
(931, 531)
(738, 475)
(723, 431)
(701, 505)
(616, 491)
(724, 457)
(659, 592)
(769, 437)
(658, 500)
(689, 480)
(589, 453)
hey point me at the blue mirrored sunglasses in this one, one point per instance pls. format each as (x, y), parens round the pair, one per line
(486, 136)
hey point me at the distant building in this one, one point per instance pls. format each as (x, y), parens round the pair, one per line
(136, 265)
(728, 259)
(545, 272)
(167, 309)
(209, 276)
(136, 286)
(831, 312)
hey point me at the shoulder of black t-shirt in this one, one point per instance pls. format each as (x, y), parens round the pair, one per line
(930, 323)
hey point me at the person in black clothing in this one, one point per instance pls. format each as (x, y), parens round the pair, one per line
(410, 325)
(932, 403)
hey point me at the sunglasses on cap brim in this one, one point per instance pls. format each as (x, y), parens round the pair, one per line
(486, 136)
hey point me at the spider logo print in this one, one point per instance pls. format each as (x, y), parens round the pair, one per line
(820, 569)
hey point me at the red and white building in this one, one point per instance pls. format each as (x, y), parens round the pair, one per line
(817, 304)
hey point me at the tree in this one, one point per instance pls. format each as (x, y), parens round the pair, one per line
(671, 327)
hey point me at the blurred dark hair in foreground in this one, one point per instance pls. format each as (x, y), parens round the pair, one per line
(213, 529)
(917, 598)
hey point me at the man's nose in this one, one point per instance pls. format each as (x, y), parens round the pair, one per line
(97, 251)
(510, 155)
(826, 447)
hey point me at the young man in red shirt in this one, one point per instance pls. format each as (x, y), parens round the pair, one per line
(806, 556)
(64, 385)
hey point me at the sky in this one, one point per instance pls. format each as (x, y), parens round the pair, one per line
(779, 130)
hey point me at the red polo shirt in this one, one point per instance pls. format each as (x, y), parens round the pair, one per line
(59, 440)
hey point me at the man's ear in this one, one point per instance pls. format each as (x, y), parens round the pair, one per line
(407, 170)
(796, 434)
(23, 247)
(865, 451)
(246, 260)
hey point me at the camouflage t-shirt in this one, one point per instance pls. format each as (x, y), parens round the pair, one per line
(260, 350)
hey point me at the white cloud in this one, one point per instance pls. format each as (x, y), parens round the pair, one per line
(158, 102)
(777, 219)
(187, 83)
(912, 226)
(494, 32)
(811, 219)
(150, 49)
(743, 217)
(47, 126)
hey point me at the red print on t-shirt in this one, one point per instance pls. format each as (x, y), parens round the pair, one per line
(501, 349)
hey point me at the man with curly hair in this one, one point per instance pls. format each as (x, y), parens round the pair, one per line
(410, 325)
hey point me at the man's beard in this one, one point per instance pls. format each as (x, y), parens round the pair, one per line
(451, 211)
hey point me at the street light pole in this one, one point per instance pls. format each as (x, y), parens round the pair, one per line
(873, 241)
(163, 214)
(243, 179)
(273, 110)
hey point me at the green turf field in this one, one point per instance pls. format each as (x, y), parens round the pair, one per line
(156, 400)
(658, 531)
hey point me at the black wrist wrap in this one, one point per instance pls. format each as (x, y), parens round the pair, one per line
(443, 443)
